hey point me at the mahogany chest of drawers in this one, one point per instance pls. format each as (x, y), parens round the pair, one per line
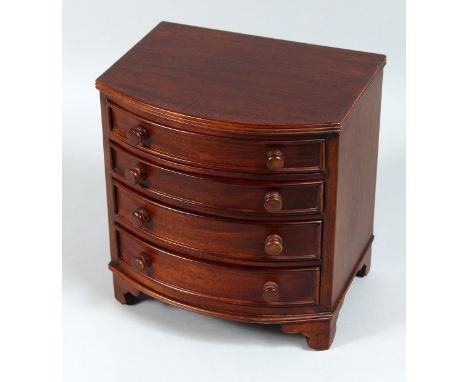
(241, 174)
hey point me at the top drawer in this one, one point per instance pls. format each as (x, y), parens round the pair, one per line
(206, 151)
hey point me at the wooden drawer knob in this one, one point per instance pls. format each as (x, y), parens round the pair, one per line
(140, 263)
(275, 160)
(273, 245)
(273, 202)
(140, 217)
(137, 135)
(135, 175)
(270, 291)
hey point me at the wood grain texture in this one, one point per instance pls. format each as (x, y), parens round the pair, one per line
(216, 195)
(261, 313)
(357, 163)
(217, 282)
(200, 150)
(220, 76)
(240, 175)
(219, 237)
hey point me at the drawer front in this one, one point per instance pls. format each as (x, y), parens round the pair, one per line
(240, 155)
(239, 285)
(246, 197)
(195, 233)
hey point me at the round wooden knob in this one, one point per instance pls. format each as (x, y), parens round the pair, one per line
(270, 291)
(140, 217)
(275, 160)
(140, 263)
(137, 135)
(273, 245)
(135, 175)
(273, 202)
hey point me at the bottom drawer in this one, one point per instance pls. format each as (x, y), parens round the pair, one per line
(238, 285)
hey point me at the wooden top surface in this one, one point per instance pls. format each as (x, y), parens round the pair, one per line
(228, 77)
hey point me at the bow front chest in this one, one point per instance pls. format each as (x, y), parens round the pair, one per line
(240, 175)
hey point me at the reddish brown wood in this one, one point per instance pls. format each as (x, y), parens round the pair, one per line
(139, 152)
(137, 135)
(200, 150)
(135, 175)
(140, 217)
(273, 201)
(217, 195)
(239, 285)
(319, 332)
(124, 292)
(140, 263)
(271, 292)
(220, 76)
(258, 313)
(193, 233)
(240, 175)
(357, 163)
(106, 123)
(275, 160)
(274, 245)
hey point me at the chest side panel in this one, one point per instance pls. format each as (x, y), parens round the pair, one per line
(357, 168)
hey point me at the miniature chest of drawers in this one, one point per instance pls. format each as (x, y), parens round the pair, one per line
(240, 175)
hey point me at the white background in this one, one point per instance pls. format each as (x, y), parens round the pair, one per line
(31, 201)
(105, 341)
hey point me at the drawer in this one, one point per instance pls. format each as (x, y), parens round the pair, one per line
(239, 285)
(206, 151)
(193, 233)
(217, 194)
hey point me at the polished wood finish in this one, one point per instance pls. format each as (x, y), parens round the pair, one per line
(181, 71)
(140, 263)
(357, 163)
(237, 285)
(135, 175)
(274, 245)
(215, 152)
(215, 195)
(273, 201)
(275, 160)
(319, 332)
(219, 237)
(271, 292)
(124, 292)
(137, 135)
(140, 217)
(240, 175)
